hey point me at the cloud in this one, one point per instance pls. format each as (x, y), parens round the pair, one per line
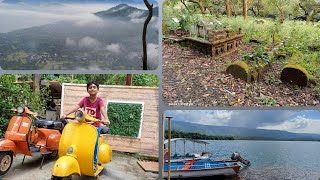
(134, 55)
(136, 14)
(89, 42)
(115, 48)
(217, 118)
(70, 42)
(288, 120)
(298, 125)
(137, 20)
(13, 17)
(90, 20)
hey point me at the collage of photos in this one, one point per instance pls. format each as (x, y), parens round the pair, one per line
(159, 89)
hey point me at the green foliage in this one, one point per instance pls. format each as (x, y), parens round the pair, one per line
(104, 79)
(258, 55)
(268, 101)
(145, 80)
(124, 118)
(180, 134)
(13, 95)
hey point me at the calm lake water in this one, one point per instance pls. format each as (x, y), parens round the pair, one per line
(275, 160)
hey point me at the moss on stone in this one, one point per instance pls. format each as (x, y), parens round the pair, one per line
(239, 69)
(296, 74)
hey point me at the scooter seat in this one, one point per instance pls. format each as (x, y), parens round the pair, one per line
(104, 130)
(48, 124)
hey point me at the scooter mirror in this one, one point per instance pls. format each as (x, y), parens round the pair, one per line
(20, 109)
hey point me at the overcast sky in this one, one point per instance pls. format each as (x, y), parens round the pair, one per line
(292, 121)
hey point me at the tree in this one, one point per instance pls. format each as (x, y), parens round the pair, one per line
(244, 9)
(228, 9)
(310, 8)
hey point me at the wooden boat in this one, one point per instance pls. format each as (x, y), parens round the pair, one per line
(201, 166)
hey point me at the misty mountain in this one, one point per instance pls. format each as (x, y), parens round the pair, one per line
(239, 131)
(126, 12)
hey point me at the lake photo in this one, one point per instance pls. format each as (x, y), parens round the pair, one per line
(78, 35)
(279, 144)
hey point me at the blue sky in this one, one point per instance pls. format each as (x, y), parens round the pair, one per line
(297, 121)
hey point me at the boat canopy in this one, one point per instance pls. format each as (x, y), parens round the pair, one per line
(186, 139)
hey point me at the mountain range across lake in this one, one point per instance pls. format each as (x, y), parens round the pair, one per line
(240, 131)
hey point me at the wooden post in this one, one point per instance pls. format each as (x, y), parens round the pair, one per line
(169, 145)
(129, 80)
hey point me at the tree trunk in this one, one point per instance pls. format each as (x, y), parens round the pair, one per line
(282, 16)
(36, 82)
(129, 80)
(228, 9)
(144, 34)
(200, 4)
(244, 10)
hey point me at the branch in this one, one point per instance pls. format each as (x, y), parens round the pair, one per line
(305, 11)
(183, 2)
(144, 33)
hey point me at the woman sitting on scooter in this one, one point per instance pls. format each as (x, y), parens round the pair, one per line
(94, 106)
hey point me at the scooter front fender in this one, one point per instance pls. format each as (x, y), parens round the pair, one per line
(66, 166)
(8, 145)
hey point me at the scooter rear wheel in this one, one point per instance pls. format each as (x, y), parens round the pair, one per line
(60, 178)
(5, 162)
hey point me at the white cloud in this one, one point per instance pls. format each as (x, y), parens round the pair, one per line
(216, 118)
(135, 14)
(89, 42)
(152, 50)
(70, 42)
(138, 20)
(90, 20)
(299, 124)
(115, 48)
(134, 55)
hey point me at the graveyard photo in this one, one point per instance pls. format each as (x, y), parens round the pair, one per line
(231, 53)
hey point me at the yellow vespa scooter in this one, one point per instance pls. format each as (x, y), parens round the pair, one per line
(76, 148)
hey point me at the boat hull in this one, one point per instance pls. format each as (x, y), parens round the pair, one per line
(202, 170)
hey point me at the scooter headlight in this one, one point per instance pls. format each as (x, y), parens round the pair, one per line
(70, 150)
(79, 115)
(20, 109)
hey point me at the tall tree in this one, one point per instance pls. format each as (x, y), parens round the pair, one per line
(200, 4)
(144, 34)
(244, 9)
(228, 9)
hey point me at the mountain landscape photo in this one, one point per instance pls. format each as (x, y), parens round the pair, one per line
(77, 35)
(292, 125)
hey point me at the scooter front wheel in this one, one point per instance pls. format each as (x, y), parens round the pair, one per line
(5, 162)
(60, 178)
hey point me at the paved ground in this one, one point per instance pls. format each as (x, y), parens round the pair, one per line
(122, 167)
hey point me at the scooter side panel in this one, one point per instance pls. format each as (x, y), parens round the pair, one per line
(46, 139)
(105, 153)
(7, 145)
(66, 166)
(82, 138)
(19, 124)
